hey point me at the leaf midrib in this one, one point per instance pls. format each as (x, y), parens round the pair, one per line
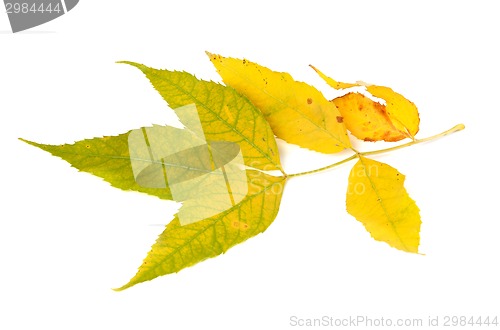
(135, 159)
(381, 201)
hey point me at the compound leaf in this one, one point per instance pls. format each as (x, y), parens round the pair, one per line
(217, 164)
(377, 198)
(298, 113)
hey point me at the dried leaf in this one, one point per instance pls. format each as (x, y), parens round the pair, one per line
(372, 121)
(367, 119)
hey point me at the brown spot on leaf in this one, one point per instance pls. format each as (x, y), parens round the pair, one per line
(386, 136)
(340, 119)
(239, 225)
(309, 101)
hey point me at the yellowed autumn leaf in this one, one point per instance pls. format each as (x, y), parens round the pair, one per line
(377, 198)
(297, 112)
(402, 112)
(372, 121)
(366, 119)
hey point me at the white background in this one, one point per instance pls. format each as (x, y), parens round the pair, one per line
(67, 238)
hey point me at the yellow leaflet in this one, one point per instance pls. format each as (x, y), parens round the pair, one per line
(396, 120)
(377, 198)
(298, 113)
(402, 112)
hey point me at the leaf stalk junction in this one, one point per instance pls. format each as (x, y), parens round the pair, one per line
(454, 129)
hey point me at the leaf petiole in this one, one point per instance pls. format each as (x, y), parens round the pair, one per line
(454, 129)
(324, 168)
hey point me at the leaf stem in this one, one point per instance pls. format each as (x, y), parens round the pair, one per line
(454, 129)
(323, 168)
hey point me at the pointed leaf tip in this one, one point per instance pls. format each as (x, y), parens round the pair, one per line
(140, 66)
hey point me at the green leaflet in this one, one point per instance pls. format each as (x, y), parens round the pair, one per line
(107, 157)
(225, 115)
(181, 246)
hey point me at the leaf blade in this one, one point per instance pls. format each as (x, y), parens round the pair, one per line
(298, 113)
(225, 115)
(377, 198)
(107, 157)
(179, 246)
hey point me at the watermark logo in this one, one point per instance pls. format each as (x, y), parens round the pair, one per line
(208, 177)
(25, 14)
